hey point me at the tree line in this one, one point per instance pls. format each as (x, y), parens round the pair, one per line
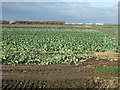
(60, 22)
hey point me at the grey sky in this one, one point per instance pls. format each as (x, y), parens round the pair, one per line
(71, 12)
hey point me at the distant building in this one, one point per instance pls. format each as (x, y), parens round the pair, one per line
(99, 23)
(11, 22)
(67, 23)
(80, 23)
(89, 23)
(72, 23)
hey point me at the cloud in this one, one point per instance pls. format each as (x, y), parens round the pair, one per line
(68, 11)
(59, 0)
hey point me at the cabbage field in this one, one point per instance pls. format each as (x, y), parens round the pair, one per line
(52, 46)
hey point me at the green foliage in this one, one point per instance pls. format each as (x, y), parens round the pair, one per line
(108, 69)
(113, 29)
(43, 60)
(41, 46)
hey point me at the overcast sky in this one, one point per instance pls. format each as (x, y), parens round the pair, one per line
(71, 12)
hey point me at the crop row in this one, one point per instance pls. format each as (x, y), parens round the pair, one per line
(26, 46)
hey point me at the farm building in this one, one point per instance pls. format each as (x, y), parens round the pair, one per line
(89, 23)
(99, 23)
(80, 23)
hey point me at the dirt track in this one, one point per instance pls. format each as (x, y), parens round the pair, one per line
(59, 76)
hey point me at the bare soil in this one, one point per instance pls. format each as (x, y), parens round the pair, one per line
(41, 25)
(107, 55)
(60, 75)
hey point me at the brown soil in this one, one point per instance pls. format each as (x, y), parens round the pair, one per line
(36, 25)
(59, 76)
(107, 55)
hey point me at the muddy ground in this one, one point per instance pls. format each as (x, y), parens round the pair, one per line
(61, 75)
